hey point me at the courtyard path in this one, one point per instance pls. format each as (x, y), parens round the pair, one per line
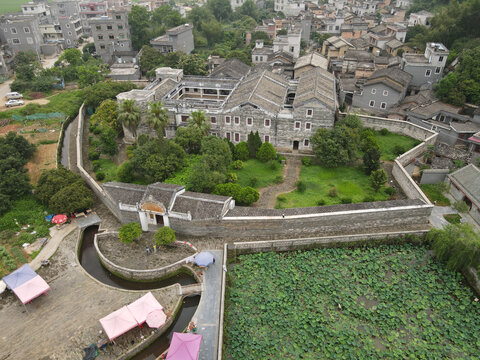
(291, 173)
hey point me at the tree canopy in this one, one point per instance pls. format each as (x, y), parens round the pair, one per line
(129, 232)
(164, 236)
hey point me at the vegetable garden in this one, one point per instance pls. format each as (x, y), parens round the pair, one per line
(390, 301)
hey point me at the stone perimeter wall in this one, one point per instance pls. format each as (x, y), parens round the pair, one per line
(134, 274)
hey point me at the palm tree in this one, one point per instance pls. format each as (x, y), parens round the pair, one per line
(197, 119)
(157, 117)
(129, 115)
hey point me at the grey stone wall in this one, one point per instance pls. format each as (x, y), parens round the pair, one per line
(419, 77)
(447, 151)
(184, 42)
(433, 176)
(363, 101)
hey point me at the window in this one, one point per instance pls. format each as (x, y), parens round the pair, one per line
(306, 142)
(440, 58)
(70, 33)
(100, 37)
(236, 119)
(383, 105)
(102, 46)
(374, 91)
(249, 121)
(13, 30)
(99, 27)
(297, 125)
(437, 70)
(385, 92)
(309, 112)
(120, 27)
(111, 37)
(237, 137)
(441, 118)
(308, 126)
(5, 30)
(121, 36)
(372, 103)
(213, 119)
(68, 41)
(67, 25)
(428, 72)
(16, 41)
(122, 44)
(109, 27)
(29, 40)
(267, 122)
(228, 136)
(26, 30)
(292, 49)
(228, 120)
(118, 17)
(184, 118)
(256, 58)
(266, 138)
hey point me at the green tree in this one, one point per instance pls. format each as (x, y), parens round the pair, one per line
(371, 159)
(129, 115)
(244, 55)
(51, 181)
(248, 8)
(71, 198)
(107, 115)
(203, 178)
(193, 65)
(198, 120)
(456, 245)
(199, 15)
(241, 151)
(157, 117)
(139, 21)
(71, 56)
(89, 74)
(212, 30)
(221, 9)
(94, 95)
(108, 141)
(167, 16)
(253, 143)
(164, 236)
(266, 152)
(377, 179)
(242, 195)
(129, 232)
(150, 59)
(125, 172)
(217, 152)
(172, 59)
(189, 138)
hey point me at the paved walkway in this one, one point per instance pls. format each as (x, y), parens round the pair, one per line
(208, 313)
(291, 173)
(436, 218)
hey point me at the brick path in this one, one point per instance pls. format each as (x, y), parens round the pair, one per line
(291, 173)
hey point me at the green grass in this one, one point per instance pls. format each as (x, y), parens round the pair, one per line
(11, 5)
(67, 102)
(382, 302)
(434, 193)
(453, 218)
(108, 167)
(387, 144)
(350, 182)
(181, 177)
(262, 171)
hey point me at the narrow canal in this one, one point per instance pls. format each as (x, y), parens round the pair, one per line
(65, 146)
(90, 262)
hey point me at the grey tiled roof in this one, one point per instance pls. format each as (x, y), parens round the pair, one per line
(129, 194)
(200, 206)
(468, 180)
(232, 68)
(393, 77)
(251, 211)
(431, 110)
(313, 59)
(161, 192)
(264, 89)
(316, 83)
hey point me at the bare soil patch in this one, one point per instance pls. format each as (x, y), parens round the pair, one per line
(45, 158)
(134, 255)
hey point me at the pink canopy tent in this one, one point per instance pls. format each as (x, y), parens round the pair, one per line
(31, 289)
(118, 322)
(156, 318)
(142, 307)
(184, 347)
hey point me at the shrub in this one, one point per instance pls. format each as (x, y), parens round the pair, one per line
(100, 175)
(231, 177)
(280, 158)
(164, 236)
(93, 155)
(321, 202)
(266, 152)
(129, 232)
(253, 181)
(306, 161)
(125, 172)
(377, 179)
(384, 132)
(281, 198)
(346, 200)
(398, 150)
(333, 192)
(238, 164)
(391, 191)
(142, 139)
(241, 151)
(459, 163)
(301, 186)
(368, 198)
(461, 206)
(273, 165)
(242, 195)
(453, 218)
(278, 179)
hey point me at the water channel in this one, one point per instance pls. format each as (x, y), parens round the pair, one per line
(65, 146)
(90, 262)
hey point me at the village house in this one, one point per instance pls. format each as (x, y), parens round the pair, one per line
(464, 187)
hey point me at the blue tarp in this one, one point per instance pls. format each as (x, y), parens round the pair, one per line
(19, 277)
(49, 217)
(204, 258)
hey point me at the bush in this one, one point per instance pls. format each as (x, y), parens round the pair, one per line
(398, 150)
(129, 232)
(241, 151)
(100, 175)
(281, 198)
(238, 164)
(253, 181)
(125, 172)
(93, 155)
(333, 192)
(301, 186)
(231, 177)
(306, 161)
(346, 200)
(266, 152)
(391, 191)
(459, 163)
(142, 139)
(384, 132)
(377, 179)
(164, 236)
(368, 198)
(242, 195)
(321, 202)
(461, 206)
(278, 179)
(273, 165)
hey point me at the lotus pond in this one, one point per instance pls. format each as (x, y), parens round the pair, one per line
(385, 302)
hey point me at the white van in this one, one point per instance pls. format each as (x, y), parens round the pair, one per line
(13, 95)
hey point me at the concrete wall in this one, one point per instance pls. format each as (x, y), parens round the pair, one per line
(184, 42)
(419, 77)
(433, 176)
(363, 101)
(134, 274)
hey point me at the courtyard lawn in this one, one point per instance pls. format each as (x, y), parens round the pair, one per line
(254, 168)
(181, 177)
(350, 182)
(434, 193)
(108, 167)
(391, 142)
(382, 302)
(11, 5)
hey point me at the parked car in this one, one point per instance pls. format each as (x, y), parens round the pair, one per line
(13, 95)
(11, 103)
